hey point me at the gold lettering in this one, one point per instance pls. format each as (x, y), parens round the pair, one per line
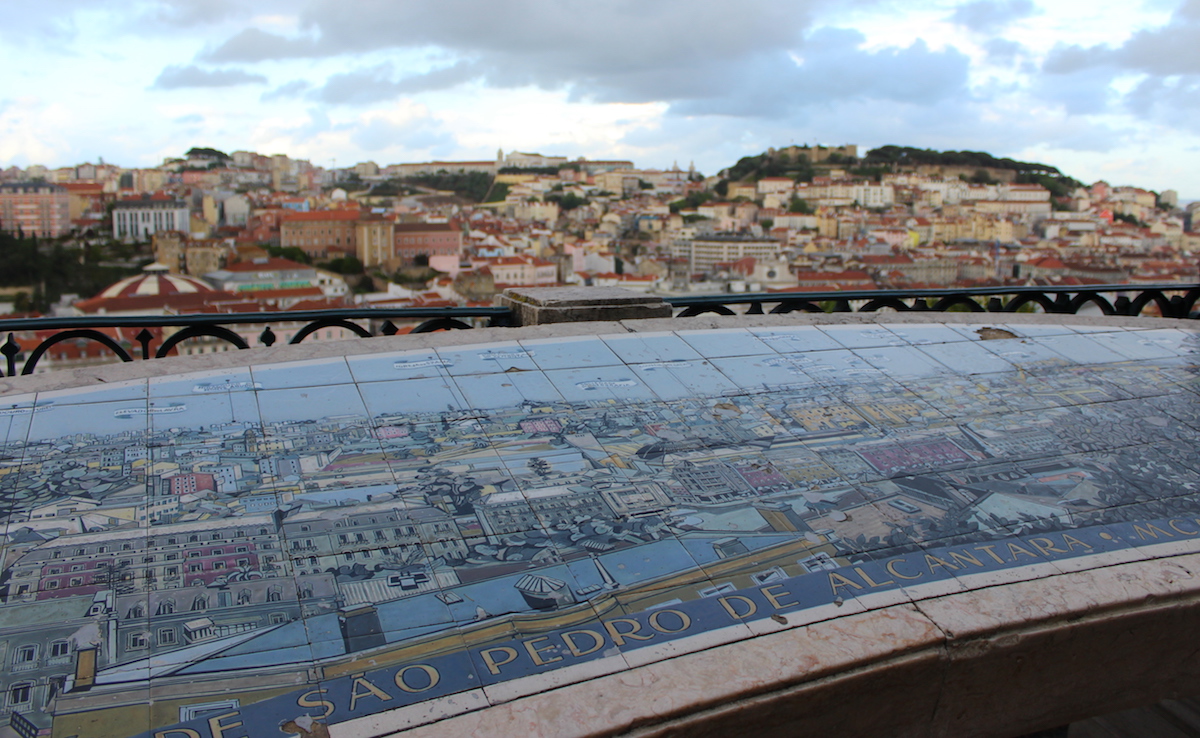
(1072, 542)
(597, 642)
(891, 567)
(774, 598)
(536, 654)
(1016, 548)
(432, 673)
(618, 637)
(1045, 546)
(185, 732)
(360, 680)
(218, 730)
(837, 580)
(963, 558)
(304, 701)
(1150, 531)
(1174, 525)
(683, 618)
(871, 582)
(492, 665)
(932, 561)
(988, 548)
(753, 608)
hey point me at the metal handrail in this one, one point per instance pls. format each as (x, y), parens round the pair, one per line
(1173, 300)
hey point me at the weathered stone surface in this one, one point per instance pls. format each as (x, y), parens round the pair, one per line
(540, 305)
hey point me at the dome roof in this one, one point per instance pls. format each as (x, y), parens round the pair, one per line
(156, 279)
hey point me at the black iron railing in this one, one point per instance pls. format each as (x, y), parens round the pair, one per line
(1171, 300)
(1166, 300)
(220, 326)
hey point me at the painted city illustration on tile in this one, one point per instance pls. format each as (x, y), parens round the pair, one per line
(277, 549)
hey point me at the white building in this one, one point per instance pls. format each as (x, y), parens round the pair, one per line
(137, 220)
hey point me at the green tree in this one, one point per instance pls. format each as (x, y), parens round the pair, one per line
(800, 206)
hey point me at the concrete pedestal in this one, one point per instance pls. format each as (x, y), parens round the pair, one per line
(540, 305)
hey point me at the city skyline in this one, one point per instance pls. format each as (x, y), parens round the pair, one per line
(1100, 92)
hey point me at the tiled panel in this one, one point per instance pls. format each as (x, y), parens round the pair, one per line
(379, 532)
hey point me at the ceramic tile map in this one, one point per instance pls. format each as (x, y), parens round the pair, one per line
(276, 550)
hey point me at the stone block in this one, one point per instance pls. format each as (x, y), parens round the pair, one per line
(540, 305)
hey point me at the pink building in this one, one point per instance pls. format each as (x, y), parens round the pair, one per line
(35, 209)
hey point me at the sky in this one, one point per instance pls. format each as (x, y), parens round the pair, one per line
(1101, 89)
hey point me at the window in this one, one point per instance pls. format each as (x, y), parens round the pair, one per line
(277, 618)
(76, 582)
(193, 554)
(343, 539)
(56, 570)
(20, 694)
(199, 604)
(172, 556)
(147, 559)
(166, 607)
(195, 567)
(172, 571)
(77, 567)
(216, 536)
(242, 549)
(126, 546)
(58, 649)
(217, 566)
(25, 655)
(52, 584)
(216, 552)
(79, 552)
(166, 637)
(137, 611)
(137, 640)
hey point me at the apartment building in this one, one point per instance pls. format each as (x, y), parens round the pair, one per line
(35, 209)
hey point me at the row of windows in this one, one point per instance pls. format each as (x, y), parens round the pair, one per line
(202, 602)
(174, 541)
(28, 653)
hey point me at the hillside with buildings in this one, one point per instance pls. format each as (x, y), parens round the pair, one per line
(245, 231)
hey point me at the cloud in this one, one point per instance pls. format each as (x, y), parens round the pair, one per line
(990, 16)
(622, 51)
(698, 55)
(832, 67)
(292, 89)
(176, 77)
(1168, 50)
(1166, 58)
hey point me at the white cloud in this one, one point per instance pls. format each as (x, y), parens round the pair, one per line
(176, 77)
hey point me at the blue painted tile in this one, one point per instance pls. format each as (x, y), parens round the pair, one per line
(862, 336)
(487, 358)
(639, 348)
(570, 353)
(713, 344)
(315, 373)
